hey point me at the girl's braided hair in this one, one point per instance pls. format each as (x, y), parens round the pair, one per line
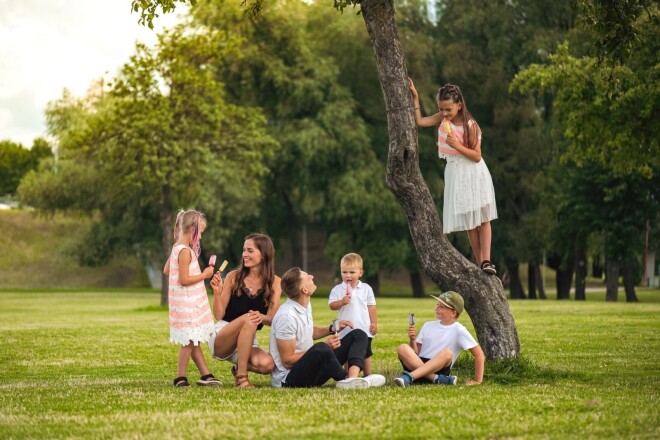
(453, 93)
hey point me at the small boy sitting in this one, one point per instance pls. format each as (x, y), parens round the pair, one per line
(428, 358)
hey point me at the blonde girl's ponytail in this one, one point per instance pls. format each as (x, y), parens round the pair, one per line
(177, 224)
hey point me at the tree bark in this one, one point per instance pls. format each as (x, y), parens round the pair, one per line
(532, 282)
(580, 270)
(166, 245)
(516, 290)
(540, 282)
(417, 285)
(612, 280)
(629, 280)
(374, 282)
(484, 296)
(564, 280)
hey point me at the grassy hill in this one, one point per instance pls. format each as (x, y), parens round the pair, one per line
(38, 252)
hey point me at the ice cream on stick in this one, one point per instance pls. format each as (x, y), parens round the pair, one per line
(212, 261)
(447, 127)
(223, 265)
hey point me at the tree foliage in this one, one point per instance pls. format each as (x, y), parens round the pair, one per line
(16, 162)
(157, 137)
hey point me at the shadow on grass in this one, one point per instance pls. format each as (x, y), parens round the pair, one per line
(515, 371)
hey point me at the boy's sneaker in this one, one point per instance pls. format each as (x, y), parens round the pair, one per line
(353, 383)
(445, 380)
(405, 380)
(375, 380)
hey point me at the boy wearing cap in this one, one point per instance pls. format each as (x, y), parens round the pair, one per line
(429, 356)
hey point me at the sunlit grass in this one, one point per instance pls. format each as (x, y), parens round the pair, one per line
(99, 364)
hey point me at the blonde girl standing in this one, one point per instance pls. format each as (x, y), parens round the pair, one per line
(191, 321)
(469, 198)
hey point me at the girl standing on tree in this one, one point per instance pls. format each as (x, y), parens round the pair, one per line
(469, 198)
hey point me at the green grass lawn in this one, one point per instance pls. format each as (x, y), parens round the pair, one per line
(99, 365)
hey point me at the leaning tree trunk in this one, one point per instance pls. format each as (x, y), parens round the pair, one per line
(484, 296)
(166, 225)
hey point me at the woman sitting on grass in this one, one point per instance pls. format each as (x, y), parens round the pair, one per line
(248, 299)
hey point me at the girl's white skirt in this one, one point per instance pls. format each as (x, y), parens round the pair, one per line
(469, 195)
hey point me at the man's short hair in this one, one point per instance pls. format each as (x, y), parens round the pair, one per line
(291, 283)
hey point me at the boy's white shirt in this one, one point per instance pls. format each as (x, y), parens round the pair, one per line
(362, 296)
(434, 337)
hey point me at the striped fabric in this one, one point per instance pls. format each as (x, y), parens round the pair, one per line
(190, 315)
(444, 150)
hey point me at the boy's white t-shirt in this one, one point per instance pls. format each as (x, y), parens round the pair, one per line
(362, 296)
(435, 337)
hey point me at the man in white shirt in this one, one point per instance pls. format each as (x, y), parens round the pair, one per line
(299, 363)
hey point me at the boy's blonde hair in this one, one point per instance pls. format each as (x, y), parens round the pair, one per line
(352, 259)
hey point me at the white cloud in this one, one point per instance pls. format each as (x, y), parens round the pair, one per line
(50, 45)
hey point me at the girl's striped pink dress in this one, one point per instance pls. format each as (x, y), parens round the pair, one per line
(190, 315)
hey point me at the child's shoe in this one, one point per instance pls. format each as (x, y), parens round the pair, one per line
(208, 380)
(405, 380)
(181, 381)
(488, 267)
(445, 380)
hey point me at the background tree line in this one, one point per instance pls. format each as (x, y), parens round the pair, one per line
(277, 123)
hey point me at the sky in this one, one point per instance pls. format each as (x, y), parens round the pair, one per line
(49, 45)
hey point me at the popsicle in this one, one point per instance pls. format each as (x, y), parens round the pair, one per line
(447, 127)
(411, 319)
(335, 325)
(223, 265)
(212, 261)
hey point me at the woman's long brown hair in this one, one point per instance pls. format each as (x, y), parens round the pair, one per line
(266, 269)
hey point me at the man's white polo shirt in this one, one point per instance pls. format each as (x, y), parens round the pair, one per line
(292, 321)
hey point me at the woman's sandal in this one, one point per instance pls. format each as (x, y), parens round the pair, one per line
(208, 380)
(488, 267)
(242, 381)
(181, 381)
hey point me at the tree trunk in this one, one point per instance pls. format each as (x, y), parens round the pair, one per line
(564, 280)
(532, 282)
(295, 240)
(484, 296)
(612, 280)
(629, 280)
(166, 245)
(417, 285)
(374, 282)
(540, 282)
(580, 270)
(516, 290)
